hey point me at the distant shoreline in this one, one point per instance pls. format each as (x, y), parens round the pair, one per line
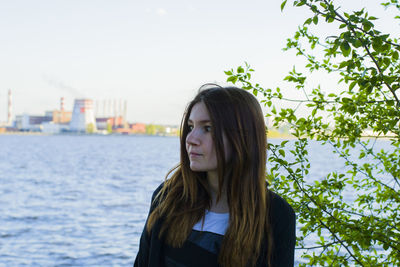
(270, 135)
(80, 134)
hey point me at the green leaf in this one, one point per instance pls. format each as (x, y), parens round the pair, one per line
(357, 43)
(283, 5)
(346, 100)
(282, 152)
(395, 55)
(314, 112)
(315, 20)
(232, 79)
(308, 21)
(367, 25)
(385, 246)
(386, 61)
(345, 48)
(377, 44)
(240, 69)
(343, 64)
(228, 72)
(352, 84)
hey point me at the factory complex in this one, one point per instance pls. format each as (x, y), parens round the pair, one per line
(81, 120)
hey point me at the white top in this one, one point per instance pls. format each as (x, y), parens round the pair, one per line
(213, 222)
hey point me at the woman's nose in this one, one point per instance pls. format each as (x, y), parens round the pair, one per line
(193, 138)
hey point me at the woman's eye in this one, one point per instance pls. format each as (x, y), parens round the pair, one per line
(207, 128)
(190, 127)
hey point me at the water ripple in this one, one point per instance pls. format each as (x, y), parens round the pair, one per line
(83, 200)
(77, 200)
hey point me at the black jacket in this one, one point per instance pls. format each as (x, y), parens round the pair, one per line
(283, 223)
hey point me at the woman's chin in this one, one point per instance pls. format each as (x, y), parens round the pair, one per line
(196, 168)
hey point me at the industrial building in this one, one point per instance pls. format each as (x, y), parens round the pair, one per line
(83, 119)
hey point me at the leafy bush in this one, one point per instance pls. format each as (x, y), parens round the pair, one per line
(366, 230)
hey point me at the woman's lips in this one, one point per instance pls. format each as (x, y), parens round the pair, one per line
(192, 154)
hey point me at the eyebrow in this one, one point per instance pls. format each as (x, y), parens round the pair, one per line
(201, 121)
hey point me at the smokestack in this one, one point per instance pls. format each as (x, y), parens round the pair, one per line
(62, 104)
(96, 109)
(120, 108)
(115, 113)
(125, 110)
(9, 115)
(109, 108)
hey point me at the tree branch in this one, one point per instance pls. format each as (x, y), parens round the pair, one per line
(370, 55)
(320, 221)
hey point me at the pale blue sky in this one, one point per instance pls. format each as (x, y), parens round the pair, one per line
(154, 54)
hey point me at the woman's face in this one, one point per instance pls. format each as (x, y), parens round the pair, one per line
(199, 142)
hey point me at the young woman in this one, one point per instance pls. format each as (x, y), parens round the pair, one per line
(216, 209)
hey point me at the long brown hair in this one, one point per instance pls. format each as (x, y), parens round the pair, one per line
(185, 196)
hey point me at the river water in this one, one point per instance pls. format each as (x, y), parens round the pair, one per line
(82, 200)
